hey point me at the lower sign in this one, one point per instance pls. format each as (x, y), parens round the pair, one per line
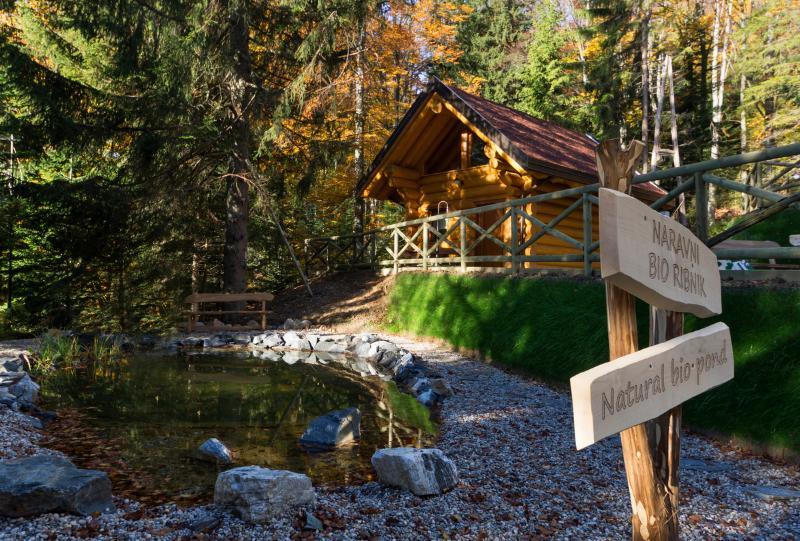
(641, 386)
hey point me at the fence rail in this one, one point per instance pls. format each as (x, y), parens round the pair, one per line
(453, 240)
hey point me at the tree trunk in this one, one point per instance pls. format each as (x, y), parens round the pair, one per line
(237, 195)
(719, 68)
(743, 174)
(644, 36)
(654, 517)
(660, 79)
(360, 115)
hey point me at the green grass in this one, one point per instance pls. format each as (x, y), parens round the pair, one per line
(554, 329)
(776, 228)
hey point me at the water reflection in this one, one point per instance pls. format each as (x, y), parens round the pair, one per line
(161, 407)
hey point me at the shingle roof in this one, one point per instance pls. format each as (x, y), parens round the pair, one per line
(534, 143)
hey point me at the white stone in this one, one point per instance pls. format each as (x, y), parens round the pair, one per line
(260, 494)
(272, 340)
(424, 472)
(330, 347)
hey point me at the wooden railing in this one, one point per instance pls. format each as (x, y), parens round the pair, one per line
(450, 241)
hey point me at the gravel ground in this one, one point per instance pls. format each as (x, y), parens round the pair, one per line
(521, 478)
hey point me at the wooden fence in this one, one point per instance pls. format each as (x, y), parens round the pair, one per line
(450, 241)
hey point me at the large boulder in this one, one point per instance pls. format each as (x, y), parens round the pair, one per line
(333, 429)
(51, 484)
(259, 494)
(377, 348)
(25, 389)
(424, 472)
(271, 341)
(362, 349)
(330, 346)
(292, 340)
(214, 450)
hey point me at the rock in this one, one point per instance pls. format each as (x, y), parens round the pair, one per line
(214, 450)
(313, 339)
(217, 324)
(294, 341)
(330, 347)
(289, 324)
(50, 484)
(192, 342)
(362, 350)
(241, 339)
(389, 359)
(427, 397)
(305, 324)
(775, 493)
(270, 355)
(313, 523)
(11, 365)
(252, 324)
(441, 387)
(376, 349)
(260, 494)
(420, 385)
(333, 429)
(271, 341)
(402, 366)
(7, 398)
(219, 341)
(25, 389)
(424, 472)
(199, 324)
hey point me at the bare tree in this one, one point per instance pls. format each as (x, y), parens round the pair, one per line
(719, 71)
(660, 81)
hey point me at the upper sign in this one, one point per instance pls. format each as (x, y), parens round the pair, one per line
(638, 387)
(656, 258)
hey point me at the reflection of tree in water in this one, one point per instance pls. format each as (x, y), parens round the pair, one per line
(165, 406)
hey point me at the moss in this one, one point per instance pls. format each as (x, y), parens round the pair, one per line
(554, 329)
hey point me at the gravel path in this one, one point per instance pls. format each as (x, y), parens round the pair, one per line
(521, 478)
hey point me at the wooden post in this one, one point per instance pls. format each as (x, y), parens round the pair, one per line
(263, 315)
(462, 225)
(373, 251)
(654, 518)
(395, 256)
(424, 245)
(514, 241)
(587, 235)
(701, 207)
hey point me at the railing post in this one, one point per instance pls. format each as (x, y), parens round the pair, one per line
(701, 207)
(305, 256)
(587, 235)
(373, 250)
(514, 240)
(396, 249)
(463, 238)
(424, 245)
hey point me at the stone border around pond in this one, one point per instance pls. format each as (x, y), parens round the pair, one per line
(373, 355)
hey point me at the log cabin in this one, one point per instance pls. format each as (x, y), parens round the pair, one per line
(454, 150)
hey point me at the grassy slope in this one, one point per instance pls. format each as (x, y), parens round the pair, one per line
(555, 329)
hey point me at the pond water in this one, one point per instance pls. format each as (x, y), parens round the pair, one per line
(156, 409)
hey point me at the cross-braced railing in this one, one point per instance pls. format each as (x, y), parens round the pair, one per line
(509, 237)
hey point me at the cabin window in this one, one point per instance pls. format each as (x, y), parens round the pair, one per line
(478, 156)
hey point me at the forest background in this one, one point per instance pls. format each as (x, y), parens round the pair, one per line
(144, 142)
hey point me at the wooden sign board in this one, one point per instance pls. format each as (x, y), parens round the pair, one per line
(640, 386)
(655, 258)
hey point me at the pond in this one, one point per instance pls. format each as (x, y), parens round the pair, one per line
(147, 415)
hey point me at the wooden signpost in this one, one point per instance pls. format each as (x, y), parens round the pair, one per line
(645, 384)
(655, 258)
(639, 393)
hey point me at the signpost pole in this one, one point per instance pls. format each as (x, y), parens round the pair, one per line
(654, 517)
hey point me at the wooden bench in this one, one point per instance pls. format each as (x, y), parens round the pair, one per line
(198, 299)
